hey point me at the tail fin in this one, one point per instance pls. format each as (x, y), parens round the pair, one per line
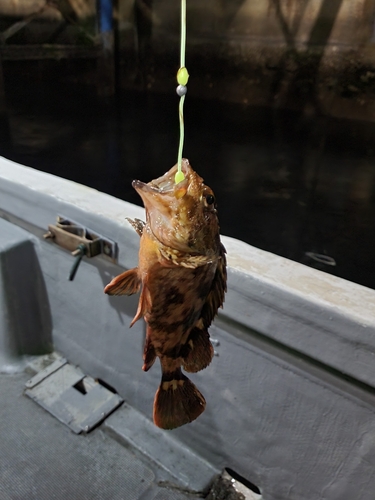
(199, 351)
(177, 401)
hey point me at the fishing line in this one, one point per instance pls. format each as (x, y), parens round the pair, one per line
(182, 79)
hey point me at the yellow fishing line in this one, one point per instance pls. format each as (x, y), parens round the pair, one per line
(182, 79)
(179, 174)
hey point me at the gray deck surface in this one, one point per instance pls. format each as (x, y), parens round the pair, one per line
(42, 459)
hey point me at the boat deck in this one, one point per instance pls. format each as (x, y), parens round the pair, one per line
(42, 459)
(290, 393)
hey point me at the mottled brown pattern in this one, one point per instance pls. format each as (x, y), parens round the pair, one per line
(182, 275)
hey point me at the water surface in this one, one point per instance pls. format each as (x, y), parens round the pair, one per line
(292, 183)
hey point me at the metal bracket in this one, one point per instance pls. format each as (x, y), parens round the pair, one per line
(70, 234)
(75, 399)
(80, 241)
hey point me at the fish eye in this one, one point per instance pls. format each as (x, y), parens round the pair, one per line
(210, 199)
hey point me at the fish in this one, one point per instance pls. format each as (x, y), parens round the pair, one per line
(181, 276)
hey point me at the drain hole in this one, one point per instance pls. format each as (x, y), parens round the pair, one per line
(107, 386)
(80, 387)
(243, 481)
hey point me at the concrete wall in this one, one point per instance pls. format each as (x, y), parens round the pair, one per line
(313, 56)
(290, 396)
(303, 21)
(21, 8)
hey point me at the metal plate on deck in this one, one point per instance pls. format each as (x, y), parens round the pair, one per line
(75, 399)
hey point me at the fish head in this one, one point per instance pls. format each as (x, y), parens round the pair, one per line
(181, 216)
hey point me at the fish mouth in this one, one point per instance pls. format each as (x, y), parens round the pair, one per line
(152, 187)
(155, 197)
(151, 193)
(140, 186)
(163, 192)
(164, 185)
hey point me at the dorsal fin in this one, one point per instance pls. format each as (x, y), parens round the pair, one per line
(137, 224)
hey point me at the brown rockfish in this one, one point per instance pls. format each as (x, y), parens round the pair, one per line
(182, 277)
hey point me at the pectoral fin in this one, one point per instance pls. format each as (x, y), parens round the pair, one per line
(126, 283)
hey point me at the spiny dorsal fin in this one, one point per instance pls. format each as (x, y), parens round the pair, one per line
(126, 283)
(137, 224)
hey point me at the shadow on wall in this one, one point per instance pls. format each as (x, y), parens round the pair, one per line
(303, 65)
(28, 325)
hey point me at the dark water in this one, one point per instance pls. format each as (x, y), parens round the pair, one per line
(286, 182)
